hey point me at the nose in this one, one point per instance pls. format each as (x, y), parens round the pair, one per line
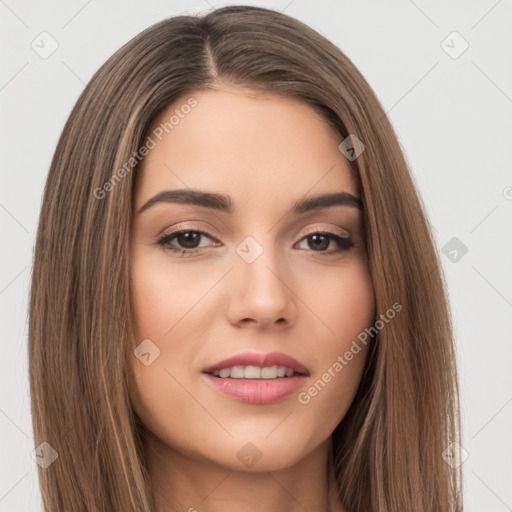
(261, 293)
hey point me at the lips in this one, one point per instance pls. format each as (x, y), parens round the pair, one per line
(259, 360)
(266, 388)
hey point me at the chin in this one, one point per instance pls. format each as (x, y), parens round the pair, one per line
(258, 453)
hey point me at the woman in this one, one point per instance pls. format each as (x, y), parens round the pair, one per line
(236, 299)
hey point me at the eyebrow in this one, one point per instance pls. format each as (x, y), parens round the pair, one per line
(225, 203)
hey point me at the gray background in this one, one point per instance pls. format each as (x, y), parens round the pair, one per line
(453, 117)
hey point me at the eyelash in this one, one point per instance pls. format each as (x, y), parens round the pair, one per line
(344, 243)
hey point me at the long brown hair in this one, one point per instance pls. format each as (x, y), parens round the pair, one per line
(388, 449)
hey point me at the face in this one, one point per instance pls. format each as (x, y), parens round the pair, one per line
(246, 276)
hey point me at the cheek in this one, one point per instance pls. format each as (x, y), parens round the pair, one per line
(345, 308)
(161, 297)
(343, 304)
(164, 308)
(353, 306)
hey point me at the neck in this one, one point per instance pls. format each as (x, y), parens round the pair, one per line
(193, 484)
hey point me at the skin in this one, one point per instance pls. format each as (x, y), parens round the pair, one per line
(266, 152)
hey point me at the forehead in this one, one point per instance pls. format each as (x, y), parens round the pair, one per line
(257, 147)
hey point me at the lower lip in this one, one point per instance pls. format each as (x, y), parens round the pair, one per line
(256, 391)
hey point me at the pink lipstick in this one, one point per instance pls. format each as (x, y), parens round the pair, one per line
(257, 378)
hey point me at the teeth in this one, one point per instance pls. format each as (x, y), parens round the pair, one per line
(224, 372)
(254, 372)
(236, 372)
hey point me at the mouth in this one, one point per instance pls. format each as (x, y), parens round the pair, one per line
(257, 378)
(251, 365)
(255, 372)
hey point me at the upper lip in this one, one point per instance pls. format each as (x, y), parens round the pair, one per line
(262, 360)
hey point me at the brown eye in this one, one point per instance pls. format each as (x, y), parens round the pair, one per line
(187, 240)
(320, 242)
